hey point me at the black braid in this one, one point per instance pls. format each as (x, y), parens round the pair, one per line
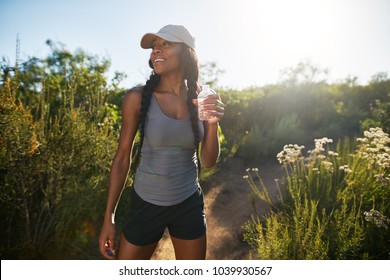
(193, 110)
(147, 93)
(191, 74)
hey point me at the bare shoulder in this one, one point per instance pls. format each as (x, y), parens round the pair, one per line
(132, 100)
(131, 106)
(134, 93)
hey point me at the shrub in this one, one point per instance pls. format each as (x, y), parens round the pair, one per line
(54, 177)
(332, 205)
(264, 141)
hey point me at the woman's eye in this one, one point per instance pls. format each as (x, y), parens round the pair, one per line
(165, 44)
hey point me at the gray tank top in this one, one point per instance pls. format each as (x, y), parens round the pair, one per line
(167, 173)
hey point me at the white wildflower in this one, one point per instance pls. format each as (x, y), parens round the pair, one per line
(319, 145)
(363, 140)
(333, 154)
(345, 168)
(316, 170)
(375, 147)
(290, 154)
(382, 179)
(377, 218)
(328, 165)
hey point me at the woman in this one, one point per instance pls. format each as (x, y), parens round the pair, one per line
(166, 191)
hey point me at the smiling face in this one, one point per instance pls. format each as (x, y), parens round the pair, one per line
(165, 56)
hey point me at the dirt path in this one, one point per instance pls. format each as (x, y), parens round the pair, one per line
(228, 207)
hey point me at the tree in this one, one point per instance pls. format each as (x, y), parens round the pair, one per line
(210, 73)
(305, 72)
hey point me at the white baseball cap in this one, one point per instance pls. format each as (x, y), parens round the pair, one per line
(171, 33)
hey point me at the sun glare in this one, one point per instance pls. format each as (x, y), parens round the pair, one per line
(277, 34)
(299, 28)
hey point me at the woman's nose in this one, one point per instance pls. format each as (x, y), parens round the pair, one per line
(156, 49)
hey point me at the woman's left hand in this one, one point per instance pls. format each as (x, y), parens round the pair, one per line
(214, 108)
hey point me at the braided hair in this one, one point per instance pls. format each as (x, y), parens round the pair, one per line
(190, 70)
(190, 73)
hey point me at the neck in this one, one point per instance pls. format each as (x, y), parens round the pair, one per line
(171, 84)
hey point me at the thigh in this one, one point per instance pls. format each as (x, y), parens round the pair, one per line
(188, 228)
(145, 222)
(188, 219)
(128, 251)
(194, 249)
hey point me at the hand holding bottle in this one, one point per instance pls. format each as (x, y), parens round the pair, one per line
(210, 106)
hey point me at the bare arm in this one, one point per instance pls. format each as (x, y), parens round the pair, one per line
(120, 167)
(210, 145)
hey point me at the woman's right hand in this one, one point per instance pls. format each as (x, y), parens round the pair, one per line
(107, 241)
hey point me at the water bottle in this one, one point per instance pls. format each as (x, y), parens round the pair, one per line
(206, 91)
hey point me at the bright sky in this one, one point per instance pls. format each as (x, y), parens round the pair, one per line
(251, 40)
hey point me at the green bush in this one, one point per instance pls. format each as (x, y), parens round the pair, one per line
(265, 141)
(331, 205)
(258, 121)
(57, 139)
(54, 180)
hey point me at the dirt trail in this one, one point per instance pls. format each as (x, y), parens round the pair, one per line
(228, 207)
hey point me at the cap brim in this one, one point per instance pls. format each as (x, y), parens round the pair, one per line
(148, 39)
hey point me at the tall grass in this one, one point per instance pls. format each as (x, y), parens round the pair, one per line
(331, 204)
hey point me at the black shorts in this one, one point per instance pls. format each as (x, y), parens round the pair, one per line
(146, 222)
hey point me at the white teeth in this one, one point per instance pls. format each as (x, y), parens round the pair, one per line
(159, 60)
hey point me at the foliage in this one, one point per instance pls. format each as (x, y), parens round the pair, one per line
(379, 105)
(75, 79)
(332, 205)
(210, 74)
(56, 147)
(302, 106)
(261, 142)
(239, 115)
